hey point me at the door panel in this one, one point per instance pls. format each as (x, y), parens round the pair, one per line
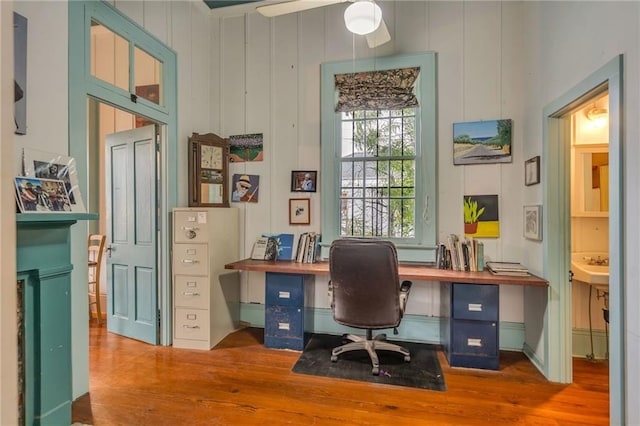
(131, 233)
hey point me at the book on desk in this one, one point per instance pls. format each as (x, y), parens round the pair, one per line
(507, 268)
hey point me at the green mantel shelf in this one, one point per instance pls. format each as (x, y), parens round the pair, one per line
(54, 217)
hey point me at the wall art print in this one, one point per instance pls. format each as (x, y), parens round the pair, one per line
(482, 142)
(481, 218)
(245, 188)
(246, 148)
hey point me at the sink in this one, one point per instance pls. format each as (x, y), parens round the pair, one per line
(591, 268)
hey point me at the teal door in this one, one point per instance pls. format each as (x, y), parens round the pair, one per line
(132, 287)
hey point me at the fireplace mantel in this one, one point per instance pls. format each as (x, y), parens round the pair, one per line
(44, 269)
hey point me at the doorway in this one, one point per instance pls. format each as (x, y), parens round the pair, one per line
(124, 188)
(558, 349)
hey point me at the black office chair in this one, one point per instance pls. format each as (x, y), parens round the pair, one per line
(365, 292)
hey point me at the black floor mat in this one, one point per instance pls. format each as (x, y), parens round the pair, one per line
(422, 372)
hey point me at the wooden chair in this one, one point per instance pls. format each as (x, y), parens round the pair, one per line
(95, 245)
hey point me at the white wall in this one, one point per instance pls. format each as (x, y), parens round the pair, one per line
(567, 42)
(8, 299)
(269, 71)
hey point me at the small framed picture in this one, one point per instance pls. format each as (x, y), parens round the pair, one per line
(304, 180)
(533, 222)
(37, 195)
(299, 211)
(532, 171)
(46, 165)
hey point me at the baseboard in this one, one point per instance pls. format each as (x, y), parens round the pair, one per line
(581, 343)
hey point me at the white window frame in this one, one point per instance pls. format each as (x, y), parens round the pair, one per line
(422, 247)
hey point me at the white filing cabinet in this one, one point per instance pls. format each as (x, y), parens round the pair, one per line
(206, 297)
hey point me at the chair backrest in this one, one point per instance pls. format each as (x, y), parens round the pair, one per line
(95, 245)
(365, 282)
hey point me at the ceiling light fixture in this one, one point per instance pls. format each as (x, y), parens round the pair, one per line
(363, 17)
(598, 116)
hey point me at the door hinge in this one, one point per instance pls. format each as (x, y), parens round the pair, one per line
(570, 276)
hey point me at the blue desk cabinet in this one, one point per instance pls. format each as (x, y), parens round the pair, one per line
(470, 325)
(284, 311)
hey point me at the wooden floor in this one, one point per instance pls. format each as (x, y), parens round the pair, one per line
(242, 383)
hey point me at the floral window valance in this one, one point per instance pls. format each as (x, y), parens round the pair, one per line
(374, 90)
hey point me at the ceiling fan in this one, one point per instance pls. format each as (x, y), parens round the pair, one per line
(362, 17)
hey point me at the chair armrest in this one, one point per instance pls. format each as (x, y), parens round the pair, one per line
(405, 288)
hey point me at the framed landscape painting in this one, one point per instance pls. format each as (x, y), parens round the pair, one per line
(482, 142)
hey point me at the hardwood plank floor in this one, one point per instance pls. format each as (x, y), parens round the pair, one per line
(242, 383)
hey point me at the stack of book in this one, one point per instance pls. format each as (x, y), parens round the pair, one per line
(507, 268)
(460, 254)
(308, 247)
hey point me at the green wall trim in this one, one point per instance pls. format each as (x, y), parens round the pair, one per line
(531, 354)
(414, 328)
(558, 337)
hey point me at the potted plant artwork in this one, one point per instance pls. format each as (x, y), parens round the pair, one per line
(471, 215)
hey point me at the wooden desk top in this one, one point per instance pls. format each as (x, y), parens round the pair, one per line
(406, 271)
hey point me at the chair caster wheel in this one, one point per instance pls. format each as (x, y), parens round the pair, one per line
(375, 371)
(407, 358)
(334, 358)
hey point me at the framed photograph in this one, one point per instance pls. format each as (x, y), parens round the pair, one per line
(533, 222)
(482, 142)
(532, 171)
(299, 211)
(42, 195)
(47, 165)
(304, 180)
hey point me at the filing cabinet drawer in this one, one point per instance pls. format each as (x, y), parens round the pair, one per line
(191, 291)
(474, 338)
(190, 227)
(191, 324)
(475, 302)
(284, 290)
(190, 259)
(283, 322)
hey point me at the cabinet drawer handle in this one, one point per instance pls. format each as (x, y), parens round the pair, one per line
(475, 307)
(189, 261)
(191, 326)
(190, 228)
(284, 295)
(190, 293)
(474, 342)
(283, 326)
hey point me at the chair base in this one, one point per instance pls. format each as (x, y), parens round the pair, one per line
(370, 345)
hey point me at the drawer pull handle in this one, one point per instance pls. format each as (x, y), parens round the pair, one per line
(283, 326)
(189, 261)
(474, 342)
(284, 295)
(190, 228)
(191, 326)
(190, 293)
(475, 307)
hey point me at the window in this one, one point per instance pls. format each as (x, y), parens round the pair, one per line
(379, 163)
(377, 173)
